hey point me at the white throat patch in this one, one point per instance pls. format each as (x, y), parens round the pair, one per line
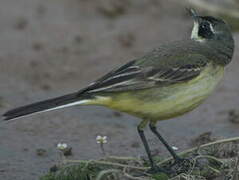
(212, 29)
(194, 34)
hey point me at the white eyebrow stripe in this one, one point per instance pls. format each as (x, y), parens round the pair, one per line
(211, 27)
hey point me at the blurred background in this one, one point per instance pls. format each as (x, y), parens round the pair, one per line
(52, 47)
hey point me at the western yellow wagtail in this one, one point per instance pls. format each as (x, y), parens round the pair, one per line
(167, 82)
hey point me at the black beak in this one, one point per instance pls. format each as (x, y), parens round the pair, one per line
(193, 14)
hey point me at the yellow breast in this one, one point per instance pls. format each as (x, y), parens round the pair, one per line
(166, 102)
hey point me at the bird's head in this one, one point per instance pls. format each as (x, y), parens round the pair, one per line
(209, 28)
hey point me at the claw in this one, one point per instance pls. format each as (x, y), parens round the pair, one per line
(182, 165)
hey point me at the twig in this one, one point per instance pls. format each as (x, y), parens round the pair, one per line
(126, 159)
(210, 157)
(105, 172)
(235, 171)
(214, 170)
(108, 163)
(202, 146)
(132, 177)
(123, 158)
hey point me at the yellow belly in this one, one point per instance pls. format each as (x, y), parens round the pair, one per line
(166, 102)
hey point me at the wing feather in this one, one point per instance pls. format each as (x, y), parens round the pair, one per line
(134, 77)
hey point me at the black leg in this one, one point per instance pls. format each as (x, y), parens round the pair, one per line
(154, 168)
(146, 146)
(169, 148)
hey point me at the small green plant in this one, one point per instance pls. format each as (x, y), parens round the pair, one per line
(101, 140)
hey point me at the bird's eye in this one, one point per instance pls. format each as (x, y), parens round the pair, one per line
(205, 31)
(205, 25)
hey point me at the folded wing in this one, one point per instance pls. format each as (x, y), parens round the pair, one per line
(134, 76)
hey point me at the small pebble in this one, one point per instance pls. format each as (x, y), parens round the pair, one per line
(113, 8)
(37, 46)
(54, 168)
(203, 139)
(21, 24)
(233, 116)
(126, 40)
(78, 39)
(117, 114)
(41, 152)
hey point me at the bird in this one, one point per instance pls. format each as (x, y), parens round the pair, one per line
(165, 83)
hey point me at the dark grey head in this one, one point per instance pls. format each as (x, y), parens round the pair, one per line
(213, 33)
(210, 28)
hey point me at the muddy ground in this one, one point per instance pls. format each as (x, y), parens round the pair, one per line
(48, 48)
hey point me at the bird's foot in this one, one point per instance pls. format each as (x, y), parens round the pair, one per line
(182, 165)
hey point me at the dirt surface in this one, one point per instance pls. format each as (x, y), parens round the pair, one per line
(48, 48)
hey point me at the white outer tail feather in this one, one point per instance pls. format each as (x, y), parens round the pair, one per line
(55, 108)
(67, 105)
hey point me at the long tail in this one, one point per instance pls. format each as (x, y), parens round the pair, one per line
(47, 105)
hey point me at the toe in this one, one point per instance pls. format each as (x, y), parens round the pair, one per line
(182, 165)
